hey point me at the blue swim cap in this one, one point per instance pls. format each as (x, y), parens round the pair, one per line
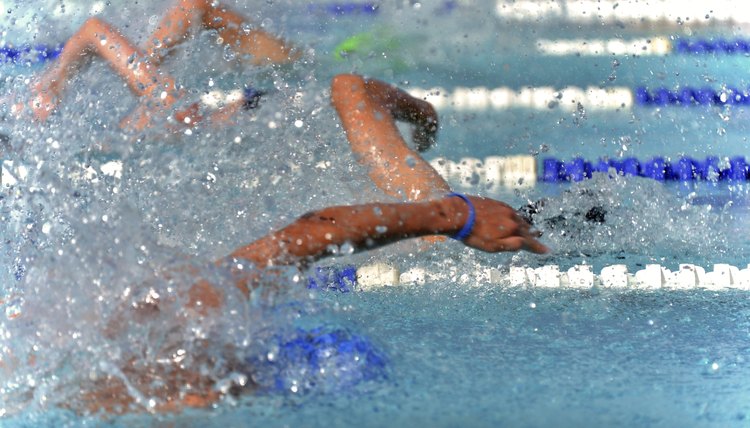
(251, 97)
(318, 359)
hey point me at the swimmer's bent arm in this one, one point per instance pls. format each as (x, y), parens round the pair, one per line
(497, 228)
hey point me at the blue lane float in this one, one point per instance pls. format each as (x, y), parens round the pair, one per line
(688, 96)
(345, 8)
(38, 53)
(658, 168)
(712, 46)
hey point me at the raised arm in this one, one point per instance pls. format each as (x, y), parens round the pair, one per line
(368, 110)
(233, 29)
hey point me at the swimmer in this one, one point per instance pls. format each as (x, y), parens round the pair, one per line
(368, 110)
(590, 210)
(140, 67)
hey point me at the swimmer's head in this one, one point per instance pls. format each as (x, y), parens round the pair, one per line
(251, 97)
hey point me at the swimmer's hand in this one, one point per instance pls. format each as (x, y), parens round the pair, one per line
(425, 132)
(499, 228)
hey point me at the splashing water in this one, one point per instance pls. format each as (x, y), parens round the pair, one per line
(88, 250)
(610, 216)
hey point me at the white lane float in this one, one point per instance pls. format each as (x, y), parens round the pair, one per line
(656, 46)
(535, 98)
(638, 12)
(613, 277)
(494, 171)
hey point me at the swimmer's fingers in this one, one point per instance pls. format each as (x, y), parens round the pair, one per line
(517, 243)
(527, 237)
(526, 228)
(534, 246)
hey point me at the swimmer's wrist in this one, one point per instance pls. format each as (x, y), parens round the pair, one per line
(452, 218)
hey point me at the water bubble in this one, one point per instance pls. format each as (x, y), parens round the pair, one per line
(579, 116)
(13, 307)
(229, 53)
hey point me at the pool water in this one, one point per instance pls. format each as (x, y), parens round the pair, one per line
(456, 351)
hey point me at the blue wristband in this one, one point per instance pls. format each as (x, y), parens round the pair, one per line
(469, 225)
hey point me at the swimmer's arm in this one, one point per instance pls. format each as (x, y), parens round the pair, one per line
(497, 228)
(233, 29)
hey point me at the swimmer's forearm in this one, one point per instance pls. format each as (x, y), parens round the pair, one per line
(363, 226)
(402, 105)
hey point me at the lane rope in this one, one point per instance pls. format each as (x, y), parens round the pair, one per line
(663, 12)
(651, 277)
(712, 168)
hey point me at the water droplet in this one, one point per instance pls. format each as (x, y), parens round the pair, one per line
(229, 53)
(246, 28)
(13, 307)
(347, 248)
